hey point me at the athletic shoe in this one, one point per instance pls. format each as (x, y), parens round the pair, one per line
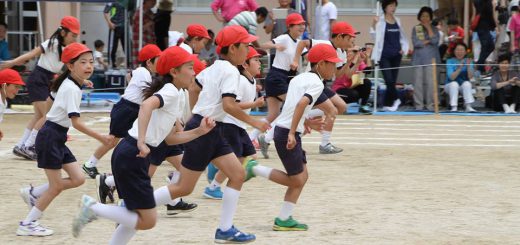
(102, 188)
(264, 146)
(248, 166)
(17, 151)
(85, 215)
(29, 152)
(365, 110)
(289, 224)
(91, 172)
(330, 149)
(213, 194)
(33, 229)
(233, 235)
(181, 207)
(28, 197)
(470, 109)
(212, 171)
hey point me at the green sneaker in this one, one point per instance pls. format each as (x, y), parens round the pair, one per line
(289, 224)
(248, 166)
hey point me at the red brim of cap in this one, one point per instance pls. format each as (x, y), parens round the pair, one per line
(15, 82)
(334, 60)
(75, 31)
(249, 39)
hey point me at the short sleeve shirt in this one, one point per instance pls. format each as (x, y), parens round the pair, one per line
(66, 104)
(116, 12)
(246, 93)
(141, 79)
(97, 65)
(50, 59)
(283, 59)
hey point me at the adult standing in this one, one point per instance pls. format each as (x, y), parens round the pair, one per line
(326, 15)
(162, 21)
(486, 25)
(230, 8)
(390, 46)
(115, 16)
(4, 48)
(147, 31)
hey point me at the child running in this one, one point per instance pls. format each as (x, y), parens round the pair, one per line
(10, 83)
(53, 154)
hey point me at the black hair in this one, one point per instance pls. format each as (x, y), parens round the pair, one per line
(515, 8)
(55, 85)
(453, 22)
(262, 11)
(57, 36)
(189, 39)
(334, 35)
(385, 3)
(156, 85)
(211, 33)
(504, 57)
(462, 44)
(3, 24)
(225, 50)
(435, 22)
(143, 63)
(423, 10)
(98, 44)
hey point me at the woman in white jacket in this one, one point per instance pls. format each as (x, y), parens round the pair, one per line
(390, 46)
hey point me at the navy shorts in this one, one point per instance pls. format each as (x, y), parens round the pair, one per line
(38, 84)
(239, 140)
(163, 151)
(122, 117)
(277, 82)
(325, 95)
(131, 175)
(294, 159)
(200, 151)
(50, 146)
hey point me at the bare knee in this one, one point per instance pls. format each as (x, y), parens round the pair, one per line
(299, 181)
(237, 176)
(342, 107)
(77, 181)
(184, 191)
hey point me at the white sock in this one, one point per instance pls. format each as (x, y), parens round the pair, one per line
(269, 135)
(109, 180)
(174, 201)
(214, 184)
(117, 214)
(176, 175)
(253, 135)
(315, 113)
(92, 162)
(162, 196)
(325, 137)
(262, 171)
(26, 134)
(122, 235)
(229, 207)
(30, 140)
(39, 190)
(34, 214)
(286, 211)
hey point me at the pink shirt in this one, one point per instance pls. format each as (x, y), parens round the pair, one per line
(230, 8)
(515, 26)
(346, 82)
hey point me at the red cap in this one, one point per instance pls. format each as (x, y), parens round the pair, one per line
(197, 30)
(294, 19)
(342, 27)
(71, 23)
(72, 51)
(149, 51)
(233, 34)
(198, 65)
(324, 52)
(10, 76)
(252, 53)
(172, 57)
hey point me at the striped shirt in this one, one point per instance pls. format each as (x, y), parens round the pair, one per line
(247, 20)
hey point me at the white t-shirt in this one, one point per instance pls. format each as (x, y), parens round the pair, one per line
(219, 80)
(324, 14)
(342, 54)
(141, 79)
(66, 103)
(306, 84)
(246, 93)
(163, 119)
(97, 65)
(50, 59)
(3, 107)
(284, 59)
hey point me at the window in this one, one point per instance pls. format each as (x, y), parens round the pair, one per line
(193, 5)
(369, 6)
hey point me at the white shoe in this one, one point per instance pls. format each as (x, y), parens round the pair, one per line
(470, 109)
(454, 109)
(33, 229)
(85, 215)
(28, 197)
(396, 104)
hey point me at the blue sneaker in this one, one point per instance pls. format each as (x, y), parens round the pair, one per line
(233, 235)
(212, 171)
(213, 194)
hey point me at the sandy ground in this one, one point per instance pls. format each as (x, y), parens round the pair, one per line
(400, 180)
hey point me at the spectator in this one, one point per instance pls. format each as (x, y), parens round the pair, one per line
(514, 27)
(455, 35)
(230, 8)
(148, 29)
(459, 72)
(390, 46)
(326, 15)
(425, 38)
(505, 86)
(250, 19)
(4, 48)
(486, 25)
(208, 53)
(162, 21)
(115, 16)
(99, 62)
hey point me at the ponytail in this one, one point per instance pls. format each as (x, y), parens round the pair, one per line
(156, 85)
(55, 85)
(57, 36)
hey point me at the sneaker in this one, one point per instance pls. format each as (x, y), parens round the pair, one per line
(330, 149)
(85, 215)
(29, 152)
(365, 110)
(17, 151)
(454, 109)
(181, 207)
(33, 229)
(470, 109)
(213, 194)
(289, 224)
(91, 172)
(233, 235)
(28, 197)
(264, 146)
(102, 188)
(212, 171)
(248, 166)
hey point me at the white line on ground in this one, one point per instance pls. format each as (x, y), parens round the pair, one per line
(414, 139)
(410, 144)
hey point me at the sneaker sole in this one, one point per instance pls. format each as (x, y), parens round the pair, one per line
(220, 241)
(19, 233)
(281, 228)
(18, 154)
(98, 183)
(211, 197)
(172, 212)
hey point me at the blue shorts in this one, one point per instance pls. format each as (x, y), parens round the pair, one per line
(131, 175)
(277, 82)
(239, 140)
(163, 151)
(294, 159)
(38, 84)
(50, 146)
(200, 151)
(325, 95)
(122, 117)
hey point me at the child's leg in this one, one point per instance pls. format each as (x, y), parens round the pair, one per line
(99, 153)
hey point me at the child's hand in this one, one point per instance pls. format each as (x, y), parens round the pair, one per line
(143, 150)
(261, 125)
(206, 125)
(316, 123)
(294, 65)
(259, 102)
(87, 83)
(291, 142)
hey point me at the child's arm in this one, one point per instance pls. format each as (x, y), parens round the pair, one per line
(271, 45)
(231, 107)
(299, 50)
(248, 105)
(80, 126)
(20, 60)
(145, 113)
(194, 91)
(177, 137)
(298, 114)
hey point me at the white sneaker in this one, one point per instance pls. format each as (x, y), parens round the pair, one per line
(85, 215)
(396, 104)
(28, 197)
(470, 109)
(33, 229)
(454, 109)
